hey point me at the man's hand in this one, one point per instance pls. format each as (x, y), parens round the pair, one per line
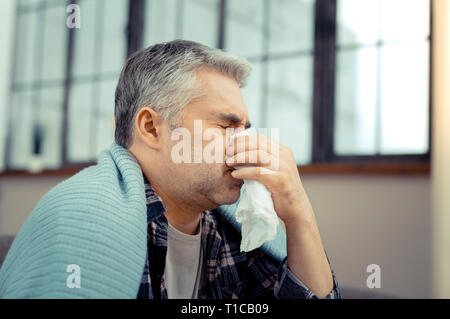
(274, 165)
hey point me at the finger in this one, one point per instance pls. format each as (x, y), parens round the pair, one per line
(252, 142)
(261, 174)
(254, 157)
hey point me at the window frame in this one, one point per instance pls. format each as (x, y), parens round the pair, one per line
(324, 160)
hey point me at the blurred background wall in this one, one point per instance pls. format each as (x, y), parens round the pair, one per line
(346, 81)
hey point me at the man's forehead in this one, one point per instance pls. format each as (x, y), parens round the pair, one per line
(217, 95)
(221, 89)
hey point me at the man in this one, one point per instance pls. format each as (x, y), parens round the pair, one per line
(142, 224)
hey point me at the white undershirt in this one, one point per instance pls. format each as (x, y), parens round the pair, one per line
(183, 264)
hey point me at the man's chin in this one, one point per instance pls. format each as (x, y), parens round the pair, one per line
(231, 195)
(228, 192)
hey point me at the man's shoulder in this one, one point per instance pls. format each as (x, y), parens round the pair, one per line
(104, 183)
(80, 188)
(94, 199)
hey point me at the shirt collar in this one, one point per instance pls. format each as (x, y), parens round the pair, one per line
(155, 205)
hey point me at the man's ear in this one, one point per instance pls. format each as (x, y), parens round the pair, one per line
(148, 127)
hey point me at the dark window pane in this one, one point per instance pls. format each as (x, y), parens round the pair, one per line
(105, 115)
(100, 52)
(291, 26)
(25, 61)
(30, 4)
(85, 39)
(160, 21)
(80, 116)
(356, 100)
(21, 130)
(253, 97)
(115, 17)
(244, 33)
(50, 120)
(55, 43)
(290, 104)
(200, 21)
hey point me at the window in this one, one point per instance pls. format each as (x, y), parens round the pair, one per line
(37, 87)
(100, 48)
(195, 20)
(343, 80)
(62, 101)
(279, 93)
(382, 76)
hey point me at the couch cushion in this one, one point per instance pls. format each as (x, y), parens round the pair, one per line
(5, 243)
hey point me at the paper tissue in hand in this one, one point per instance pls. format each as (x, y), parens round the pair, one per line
(256, 213)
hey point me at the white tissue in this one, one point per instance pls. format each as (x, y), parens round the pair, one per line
(256, 213)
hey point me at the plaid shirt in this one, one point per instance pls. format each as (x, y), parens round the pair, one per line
(230, 274)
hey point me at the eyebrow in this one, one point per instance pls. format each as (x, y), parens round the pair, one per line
(233, 118)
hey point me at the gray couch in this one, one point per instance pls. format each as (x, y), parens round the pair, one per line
(347, 293)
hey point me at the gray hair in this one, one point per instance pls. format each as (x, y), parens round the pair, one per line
(163, 77)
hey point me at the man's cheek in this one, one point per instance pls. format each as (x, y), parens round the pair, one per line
(213, 150)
